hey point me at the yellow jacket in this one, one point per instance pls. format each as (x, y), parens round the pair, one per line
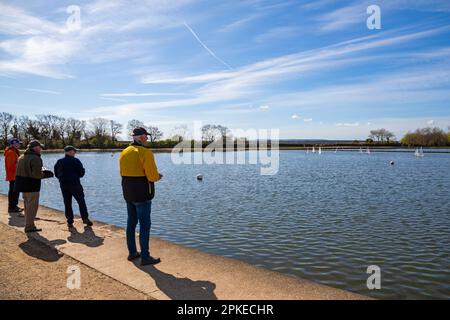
(139, 172)
(138, 161)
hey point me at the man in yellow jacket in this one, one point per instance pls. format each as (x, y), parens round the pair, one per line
(139, 173)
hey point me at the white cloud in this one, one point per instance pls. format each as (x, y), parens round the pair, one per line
(308, 120)
(295, 116)
(344, 17)
(430, 122)
(249, 83)
(43, 91)
(264, 107)
(348, 124)
(142, 94)
(38, 46)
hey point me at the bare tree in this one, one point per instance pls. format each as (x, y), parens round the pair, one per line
(75, 129)
(179, 133)
(381, 135)
(49, 128)
(116, 129)
(133, 124)
(6, 120)
(154, 133)
(208, 133)
(99, 130)
(224, 132)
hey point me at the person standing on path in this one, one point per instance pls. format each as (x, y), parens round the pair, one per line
(30, 172)
(69, 170)
(139, 173)
(12, 155)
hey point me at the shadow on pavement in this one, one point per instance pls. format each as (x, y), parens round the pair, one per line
(38, 247)
(88, 237)
(180, 288)
(16, 221)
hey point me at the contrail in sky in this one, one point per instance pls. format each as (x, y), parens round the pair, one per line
(206, 48)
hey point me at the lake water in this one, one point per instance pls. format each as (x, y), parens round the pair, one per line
(322, 217)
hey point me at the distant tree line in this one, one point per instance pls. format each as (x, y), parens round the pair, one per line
(426, 137)
(429, 137)
(55, 132)
(101, 133)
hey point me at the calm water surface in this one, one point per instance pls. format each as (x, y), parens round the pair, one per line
(325, 218)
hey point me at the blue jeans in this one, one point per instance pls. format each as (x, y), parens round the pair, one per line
(139, 212)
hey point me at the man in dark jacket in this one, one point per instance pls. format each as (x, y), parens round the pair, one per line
(69, 170)
(28, 181)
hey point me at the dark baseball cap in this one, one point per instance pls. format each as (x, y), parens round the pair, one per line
(35, 143)
(70, 148)
(14, 141)
(139, 132)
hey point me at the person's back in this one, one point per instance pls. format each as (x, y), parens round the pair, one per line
(69, 170)
(139, 172)
(11, 157)
(29, 172)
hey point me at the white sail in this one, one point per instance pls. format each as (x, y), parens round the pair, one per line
(360, 150)
(314, 150)
(320, 150)
(368, 150)
(419, 152)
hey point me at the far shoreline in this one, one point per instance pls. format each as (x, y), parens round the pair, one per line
(340, 148)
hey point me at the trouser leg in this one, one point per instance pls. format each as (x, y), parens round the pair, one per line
(13, 196)
(143, 210)
(31, 200)
(67, 197)
(78, 194)
(131, 228)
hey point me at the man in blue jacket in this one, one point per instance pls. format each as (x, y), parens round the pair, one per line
(69, 170)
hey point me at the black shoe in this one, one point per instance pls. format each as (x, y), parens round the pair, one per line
(33, 230)
(15, 210)
(70, 225)
(131, 257)
(149, 261)
(88, 222)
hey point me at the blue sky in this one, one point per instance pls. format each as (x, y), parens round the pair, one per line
(310, 68)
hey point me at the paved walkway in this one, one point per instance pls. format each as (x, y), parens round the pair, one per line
(184, 273)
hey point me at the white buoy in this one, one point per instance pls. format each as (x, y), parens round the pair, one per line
(199, 177)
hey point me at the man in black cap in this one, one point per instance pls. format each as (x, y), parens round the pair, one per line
(30, 172)
(69, 170)
(139, 174)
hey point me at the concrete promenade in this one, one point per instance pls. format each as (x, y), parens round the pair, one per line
(184, 273)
